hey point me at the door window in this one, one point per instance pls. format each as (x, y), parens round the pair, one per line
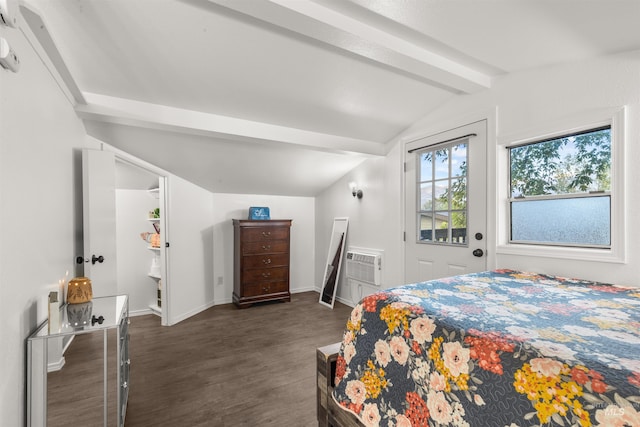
(442, 194)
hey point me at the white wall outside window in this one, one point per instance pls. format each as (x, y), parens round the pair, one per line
(580, 122)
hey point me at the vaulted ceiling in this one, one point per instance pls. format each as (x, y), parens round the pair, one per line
(286, 96)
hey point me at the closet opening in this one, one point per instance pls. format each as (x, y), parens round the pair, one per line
(140, 238)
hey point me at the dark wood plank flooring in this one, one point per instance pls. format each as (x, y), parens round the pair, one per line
(223, 367)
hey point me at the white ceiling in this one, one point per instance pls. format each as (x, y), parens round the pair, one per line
(286, 96)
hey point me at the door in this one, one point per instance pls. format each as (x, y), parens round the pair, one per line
(189, 270)
(445, 204)
(99, 220)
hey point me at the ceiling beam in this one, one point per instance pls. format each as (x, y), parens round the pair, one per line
(40, 38)
(331, 27)
(160, 117)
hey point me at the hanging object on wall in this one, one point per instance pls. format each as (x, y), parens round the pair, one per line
(79, 290)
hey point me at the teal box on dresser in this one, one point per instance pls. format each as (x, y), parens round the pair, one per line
(259, 213)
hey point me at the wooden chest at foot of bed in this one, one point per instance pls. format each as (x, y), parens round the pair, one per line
(328, 413)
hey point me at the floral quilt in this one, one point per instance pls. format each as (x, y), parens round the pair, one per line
(501, 348)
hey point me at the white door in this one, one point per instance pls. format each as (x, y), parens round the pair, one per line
(99, 220)
(189, 232)
(445, 204)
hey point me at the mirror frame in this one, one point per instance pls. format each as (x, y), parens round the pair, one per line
(334, 262)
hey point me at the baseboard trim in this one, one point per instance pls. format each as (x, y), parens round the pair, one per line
(346, 302)
(188, 314)
(57, 365)
(341, 300)
(142, 312)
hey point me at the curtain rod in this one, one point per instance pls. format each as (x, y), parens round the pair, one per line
(443, 142)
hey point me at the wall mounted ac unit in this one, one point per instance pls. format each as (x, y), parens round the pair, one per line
(364, 267)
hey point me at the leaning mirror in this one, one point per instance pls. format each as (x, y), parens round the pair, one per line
(334, 261)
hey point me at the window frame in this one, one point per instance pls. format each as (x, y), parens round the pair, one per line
(449, 145)
(616, 252)
(561, 196)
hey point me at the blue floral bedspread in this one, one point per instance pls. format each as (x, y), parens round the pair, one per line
(501, 348)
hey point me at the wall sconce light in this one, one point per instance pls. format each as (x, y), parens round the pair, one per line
(355, 192)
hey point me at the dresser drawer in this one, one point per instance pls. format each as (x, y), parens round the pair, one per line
(261, 234)
(276, 246)
(265, 274)
(266, 288)
(265, 261)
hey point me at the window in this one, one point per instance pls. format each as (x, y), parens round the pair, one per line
(442, 194)
(560, 190)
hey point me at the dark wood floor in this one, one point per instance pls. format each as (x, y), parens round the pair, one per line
(222, 367)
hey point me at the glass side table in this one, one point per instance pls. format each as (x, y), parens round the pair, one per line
(101, 315)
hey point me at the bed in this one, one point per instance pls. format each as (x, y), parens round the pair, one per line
(501, 348)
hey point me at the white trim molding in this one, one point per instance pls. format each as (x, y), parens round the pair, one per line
(616, 118)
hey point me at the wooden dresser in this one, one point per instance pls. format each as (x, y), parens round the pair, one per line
(261, 261)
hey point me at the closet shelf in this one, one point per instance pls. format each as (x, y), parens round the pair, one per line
(155, 309)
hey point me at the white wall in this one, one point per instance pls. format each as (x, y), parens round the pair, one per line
(133, 257)
(375, 221)
(40, 136)
(236, 206)
(521, 102)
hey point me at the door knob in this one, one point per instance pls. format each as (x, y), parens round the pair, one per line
(95, 259)
(95, 320)
(478, 253)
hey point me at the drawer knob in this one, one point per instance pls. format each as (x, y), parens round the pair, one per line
(266, 233)
(266, 247)
(266, 261)
(265, 289)
(265, 275)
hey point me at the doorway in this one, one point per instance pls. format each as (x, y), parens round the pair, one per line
(138, 238)
(446, 203)
(120, 200)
